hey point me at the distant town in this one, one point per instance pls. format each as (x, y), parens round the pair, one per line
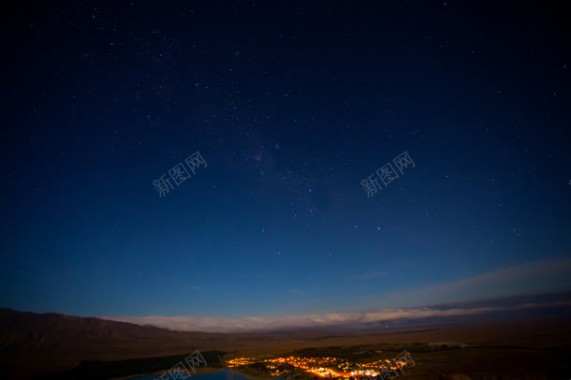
(326, 367)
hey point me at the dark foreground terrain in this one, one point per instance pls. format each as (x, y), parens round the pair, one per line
(50, 346)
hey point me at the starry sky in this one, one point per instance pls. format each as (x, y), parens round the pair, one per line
(291, 105)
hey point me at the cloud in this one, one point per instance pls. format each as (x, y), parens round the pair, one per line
(549, 274)
(227, 324)
(536, 277)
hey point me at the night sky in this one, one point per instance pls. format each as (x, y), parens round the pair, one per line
(291, 105)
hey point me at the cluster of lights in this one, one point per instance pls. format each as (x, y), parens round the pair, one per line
(327, 367)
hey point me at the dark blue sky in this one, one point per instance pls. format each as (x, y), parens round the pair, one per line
(291, 105)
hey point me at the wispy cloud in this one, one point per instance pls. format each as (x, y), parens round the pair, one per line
(534, 277)
(546, 275)
(225, 324)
